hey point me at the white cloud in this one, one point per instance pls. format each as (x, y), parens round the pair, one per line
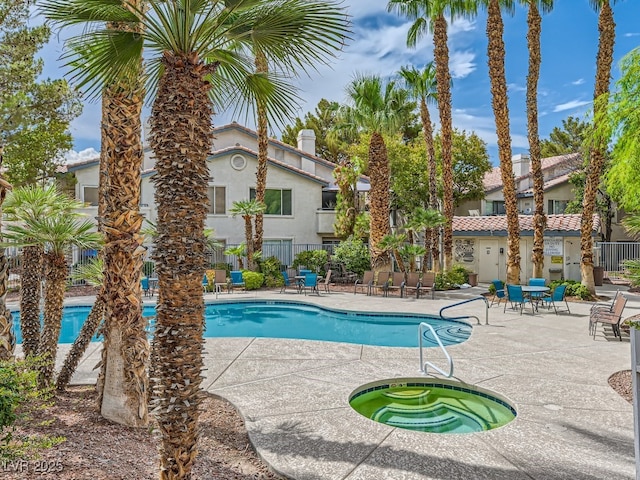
(580, 81)
(461, 63)
(514, 87)
(632, 34)
(74, 157)
(570, 105)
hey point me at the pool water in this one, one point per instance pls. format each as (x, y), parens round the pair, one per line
(275, 319)
(436, 406)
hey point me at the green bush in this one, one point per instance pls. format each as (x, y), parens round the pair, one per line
(452, 279)
(632, 271)
(314, 260)
(19, 395)
(354, 254)
(270, 268)
(147, 268)
(574, 289)
(252, 280)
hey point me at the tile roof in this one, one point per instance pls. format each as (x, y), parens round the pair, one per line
(498, 224)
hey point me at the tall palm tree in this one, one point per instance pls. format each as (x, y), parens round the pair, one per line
(57, 232)
(7, 335)
(376, 109)
(496, 55)
(534, 22)
(262, 67)
(194, 64)
(248, 209)
(595, 166)
(431, 16)
(27, 204)
(422, 86)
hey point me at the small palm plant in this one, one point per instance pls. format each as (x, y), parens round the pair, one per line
(248, 209)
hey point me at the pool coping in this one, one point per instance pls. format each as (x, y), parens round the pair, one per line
(293, 396)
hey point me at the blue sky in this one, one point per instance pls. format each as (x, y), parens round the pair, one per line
(569, 47)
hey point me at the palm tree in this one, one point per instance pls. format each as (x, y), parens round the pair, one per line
(430, 15)
(425, 219)
(595, 166)
(93, 274)
(248, 209)
(263, 144)
(239, 251)
(393, 243)
(496, 54)
(57, 232)
(195, 63)
(29, 203)
(376, 109)
(7, 335)
(422, 86)
(534, 22)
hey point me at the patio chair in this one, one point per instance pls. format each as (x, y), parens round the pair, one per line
(500, 293)
(517, 299)
(205, 283)
(144, 283)
(380, 283)
(236, 281)
(557, 296)
(288, 283)
(537, 282)
(612, 318)
(397, 283)
(311, 283)
(365, 284)
(219, 280)
(326, 281)
(605, 307)
(429, 283)
(412, 283)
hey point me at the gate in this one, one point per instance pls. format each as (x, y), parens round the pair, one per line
(611, 256)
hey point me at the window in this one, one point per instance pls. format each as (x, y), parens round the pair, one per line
(557, 206)
(217, 200)
(329, 200)
(498, 208)
(278, 202)
(90, 196)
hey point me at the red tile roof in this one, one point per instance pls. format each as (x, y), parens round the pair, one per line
(498, 223)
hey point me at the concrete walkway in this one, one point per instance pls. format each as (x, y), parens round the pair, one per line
(293, 395)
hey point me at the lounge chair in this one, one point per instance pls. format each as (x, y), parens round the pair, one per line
(380, 283)
(365, 284)
(612, 318)
(555, 299)
(236, 280)
(311, 283)
(326, 281)
(517, 299)
(397, 283)
(429, 283)
(219, 280)
(500, 293)
(412, 283)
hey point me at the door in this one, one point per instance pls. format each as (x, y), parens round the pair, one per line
(572, 260)
(489, 261)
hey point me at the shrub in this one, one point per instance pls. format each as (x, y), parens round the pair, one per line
(632, 271)
(574, 289)
(148, 268)
(252, 280)
(314, 260)
(270, 268)
(354, 254)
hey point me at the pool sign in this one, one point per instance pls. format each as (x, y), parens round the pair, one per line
(553, 246)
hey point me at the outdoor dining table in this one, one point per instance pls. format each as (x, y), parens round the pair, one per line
(528, 290)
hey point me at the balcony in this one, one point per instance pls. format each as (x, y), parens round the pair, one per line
(324, 221)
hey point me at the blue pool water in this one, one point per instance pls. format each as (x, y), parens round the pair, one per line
(274, 319)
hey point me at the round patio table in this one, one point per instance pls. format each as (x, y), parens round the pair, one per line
(534, 292)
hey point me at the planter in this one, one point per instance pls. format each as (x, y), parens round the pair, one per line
(473, 279)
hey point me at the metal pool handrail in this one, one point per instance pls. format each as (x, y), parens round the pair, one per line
(423, 364)
(486, 303)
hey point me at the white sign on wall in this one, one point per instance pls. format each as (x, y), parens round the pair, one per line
(553, 246)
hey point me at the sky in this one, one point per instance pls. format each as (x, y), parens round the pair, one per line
(378, 46)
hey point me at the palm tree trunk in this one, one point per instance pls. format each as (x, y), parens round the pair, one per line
(31, 281)
(55, 283)
(539, 218)
(261, 173)
(495, 29)
(431, 237)
(7, 335)
(124, 396)
(181, 139)
(607, 28)
(79, 347)
(443, 82)
(378, 202)
(248, 232)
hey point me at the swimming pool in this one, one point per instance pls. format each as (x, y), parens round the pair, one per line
(286, 319)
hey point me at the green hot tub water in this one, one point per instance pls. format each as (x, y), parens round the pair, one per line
(432, 406)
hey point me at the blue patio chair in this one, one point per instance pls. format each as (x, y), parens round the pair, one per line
(558, 295)
(500, 293)
(144, 283)
(287, 282)
(311, 283)
(537, 282)
(517, 298)
(236, 280)
(304, 272)
(205, 282)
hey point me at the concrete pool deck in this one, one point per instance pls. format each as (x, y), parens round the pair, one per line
(293, 396)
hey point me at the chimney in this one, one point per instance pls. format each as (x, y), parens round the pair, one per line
(521, 165)
(307, 141)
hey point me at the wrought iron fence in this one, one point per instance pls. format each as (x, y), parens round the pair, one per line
(612, 255)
